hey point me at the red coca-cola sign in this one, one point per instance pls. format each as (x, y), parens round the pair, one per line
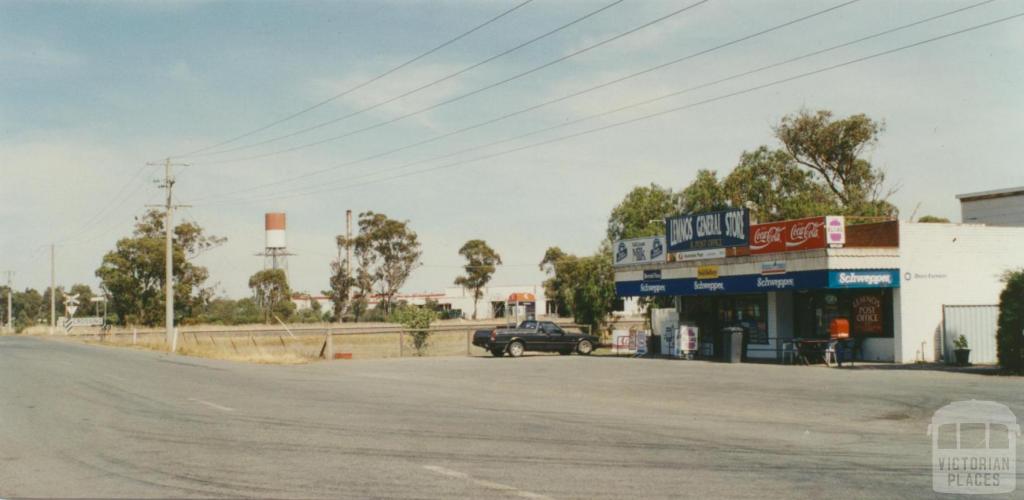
(767, 238)
(790, 235)
(806, 233)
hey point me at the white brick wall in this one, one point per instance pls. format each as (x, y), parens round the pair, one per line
(948, 264)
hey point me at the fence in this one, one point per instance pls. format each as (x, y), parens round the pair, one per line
(330, 341)
(978, 324)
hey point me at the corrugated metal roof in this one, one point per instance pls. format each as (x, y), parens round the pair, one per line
(995, 193)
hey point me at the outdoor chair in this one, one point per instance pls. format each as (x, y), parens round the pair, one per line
(789, 352)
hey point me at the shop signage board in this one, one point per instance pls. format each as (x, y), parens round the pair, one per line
(707, 272)
(689, 341)
(652, 274)
(722, 229)
(772, 268)
(714, 253)
(864, 279)
(801, 234)
(867, 314)
(641, 343)
(752, 283)
(623, 342)
(640, 251)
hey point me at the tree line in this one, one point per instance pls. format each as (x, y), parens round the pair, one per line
(820, 166)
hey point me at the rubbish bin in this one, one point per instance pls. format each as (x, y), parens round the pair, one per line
(733, 340)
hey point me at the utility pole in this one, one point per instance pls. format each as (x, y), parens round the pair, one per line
(169, 207)
(53, 290)
(348, 240)
(10, 291)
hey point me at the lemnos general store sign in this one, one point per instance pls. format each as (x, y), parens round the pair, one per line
(726, 228)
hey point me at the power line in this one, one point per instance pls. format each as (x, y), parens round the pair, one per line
(116, 201)
(417, 89)
(471, 93)
(619, 109)
(357, 87)
(660, 113)
(548, 103)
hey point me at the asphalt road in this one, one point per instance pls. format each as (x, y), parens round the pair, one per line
(81, 420)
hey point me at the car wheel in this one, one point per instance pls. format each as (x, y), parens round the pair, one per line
(585, 347)
(497, 353)
(516, 349)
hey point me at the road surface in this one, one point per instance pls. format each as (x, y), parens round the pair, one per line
(84, 420)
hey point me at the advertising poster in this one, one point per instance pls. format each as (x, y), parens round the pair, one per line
(639, 251)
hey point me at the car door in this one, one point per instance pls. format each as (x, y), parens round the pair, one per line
(554, 338)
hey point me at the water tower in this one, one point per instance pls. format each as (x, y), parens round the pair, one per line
(275, 253)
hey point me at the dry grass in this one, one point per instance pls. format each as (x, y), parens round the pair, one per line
(283, 349)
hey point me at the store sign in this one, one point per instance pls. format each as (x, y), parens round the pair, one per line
(800, 234)
(771, 283)
(727, 228)
(867, 314)
(652, 274)
(835, 230)
(640, 251)
(716, 253)
(753, 283)
(707, 272)
(864, 279)
(772, 268)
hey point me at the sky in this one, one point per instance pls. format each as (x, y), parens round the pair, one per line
(92, 94)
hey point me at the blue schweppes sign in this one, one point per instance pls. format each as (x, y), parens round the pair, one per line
(726, 228)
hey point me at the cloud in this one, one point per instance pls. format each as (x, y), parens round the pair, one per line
(20, 54)
(385, 89)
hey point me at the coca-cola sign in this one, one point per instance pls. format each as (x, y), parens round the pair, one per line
(794, 235)
(766, 238)
(806, 233)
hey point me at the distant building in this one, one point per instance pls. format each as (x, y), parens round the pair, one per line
(1000, 207)
(459, 301)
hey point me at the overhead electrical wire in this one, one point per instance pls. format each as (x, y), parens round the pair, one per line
(425, 86)
(655, 114)
(602, 85)
(356, 87)
(471, 93)
(115, 202)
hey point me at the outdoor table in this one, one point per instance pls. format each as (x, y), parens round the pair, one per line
(811, 348)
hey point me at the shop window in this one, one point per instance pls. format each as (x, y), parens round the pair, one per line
(748, 311)
(869, 312)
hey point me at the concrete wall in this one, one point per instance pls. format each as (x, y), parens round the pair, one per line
(1002, 211)
(947, 264)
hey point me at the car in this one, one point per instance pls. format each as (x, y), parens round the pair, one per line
(533, 335)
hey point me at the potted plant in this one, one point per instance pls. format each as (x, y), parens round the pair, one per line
(960, 350)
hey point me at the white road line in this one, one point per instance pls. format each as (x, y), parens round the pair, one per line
(484, 483)
(212, 405)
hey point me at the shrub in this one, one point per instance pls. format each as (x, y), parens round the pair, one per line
(1010, 336)
(960, 342)
(417, 320)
